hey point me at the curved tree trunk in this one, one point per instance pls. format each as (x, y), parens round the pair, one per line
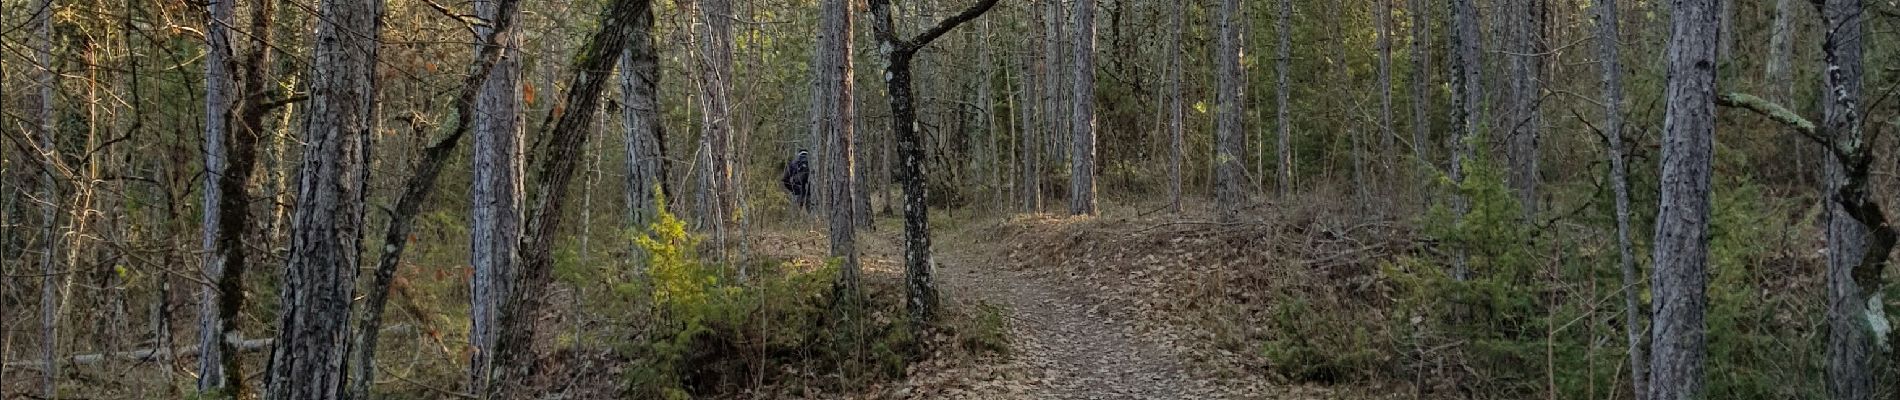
(515, 357)
(1855, 314)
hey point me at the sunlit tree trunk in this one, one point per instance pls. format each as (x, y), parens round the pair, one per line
(1679, 334)
(495, 207)
(515, 354)
(218, 85)
(645, 134)
(715, 66)
(319, 281)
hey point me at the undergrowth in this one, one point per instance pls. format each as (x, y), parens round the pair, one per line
(785, 328)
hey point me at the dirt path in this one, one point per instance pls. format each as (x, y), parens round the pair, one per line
(1064, 344)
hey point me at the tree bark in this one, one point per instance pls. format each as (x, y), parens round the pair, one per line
(1421, 61)
(515, 356)
(1524, 27)
(1387, 137)
(715, 58)
(1467, 96)
(218, 85)
(1611, 66)
(645, 134)
(326, 228)
(495, 215)
(1678, 336)
(1082, 156)
(1229, 135)
(1281, 121)
(919, 268)
(1856, 315)
(42, 121)
(227, 199)
(836, 103)
(1177, 143)
(1029, 154)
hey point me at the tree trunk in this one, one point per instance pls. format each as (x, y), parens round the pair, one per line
(1082, 157)
(836, 104)
(1778, 74)
(1285, 26)
(1679, 336)
(1524, 26)
(495, 215)
(326, 228)
(1855, 313)
(218, 85)
(227, 198)
(715, 57)
(1387, 137)
(1230, 143)
(1346, 106)
(1421, 61)
(515, 356)
(1177, 143)
(1611, 66)
(1467, 95)
(645, 132)
(919, 268)
(1029, 150)
(42, 120)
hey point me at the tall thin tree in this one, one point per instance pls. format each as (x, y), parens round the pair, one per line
(1177, 109)
(1467, 95)
(1611, 65)
(1082, 156)
(1679, 334)
(1230, 143)
(1283, 125)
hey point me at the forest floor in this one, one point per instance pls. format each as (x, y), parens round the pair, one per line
(1070, 337)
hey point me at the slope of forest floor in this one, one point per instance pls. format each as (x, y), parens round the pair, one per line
(1096, 310)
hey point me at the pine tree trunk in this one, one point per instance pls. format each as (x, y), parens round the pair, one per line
(1387, 137)
(1421, 62)
(645, 134)
(1467, 96)
(319, 281)
(1230, 141)
(1029, 150)
(1082, 157)
(1524, 25)
(1611, 65)
(1285, 26)
(1679, 335)
(218, 85)
(515, 366)
(835, 77)
(495, 220)
(1853, 290)
(43, 120)
(1177, 143)
(715, 57)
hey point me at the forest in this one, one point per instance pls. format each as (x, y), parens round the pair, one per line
(949, 199)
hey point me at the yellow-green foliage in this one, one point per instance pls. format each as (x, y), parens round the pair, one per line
(712, 334)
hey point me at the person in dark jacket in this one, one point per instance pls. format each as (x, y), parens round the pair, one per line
(797, 179)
